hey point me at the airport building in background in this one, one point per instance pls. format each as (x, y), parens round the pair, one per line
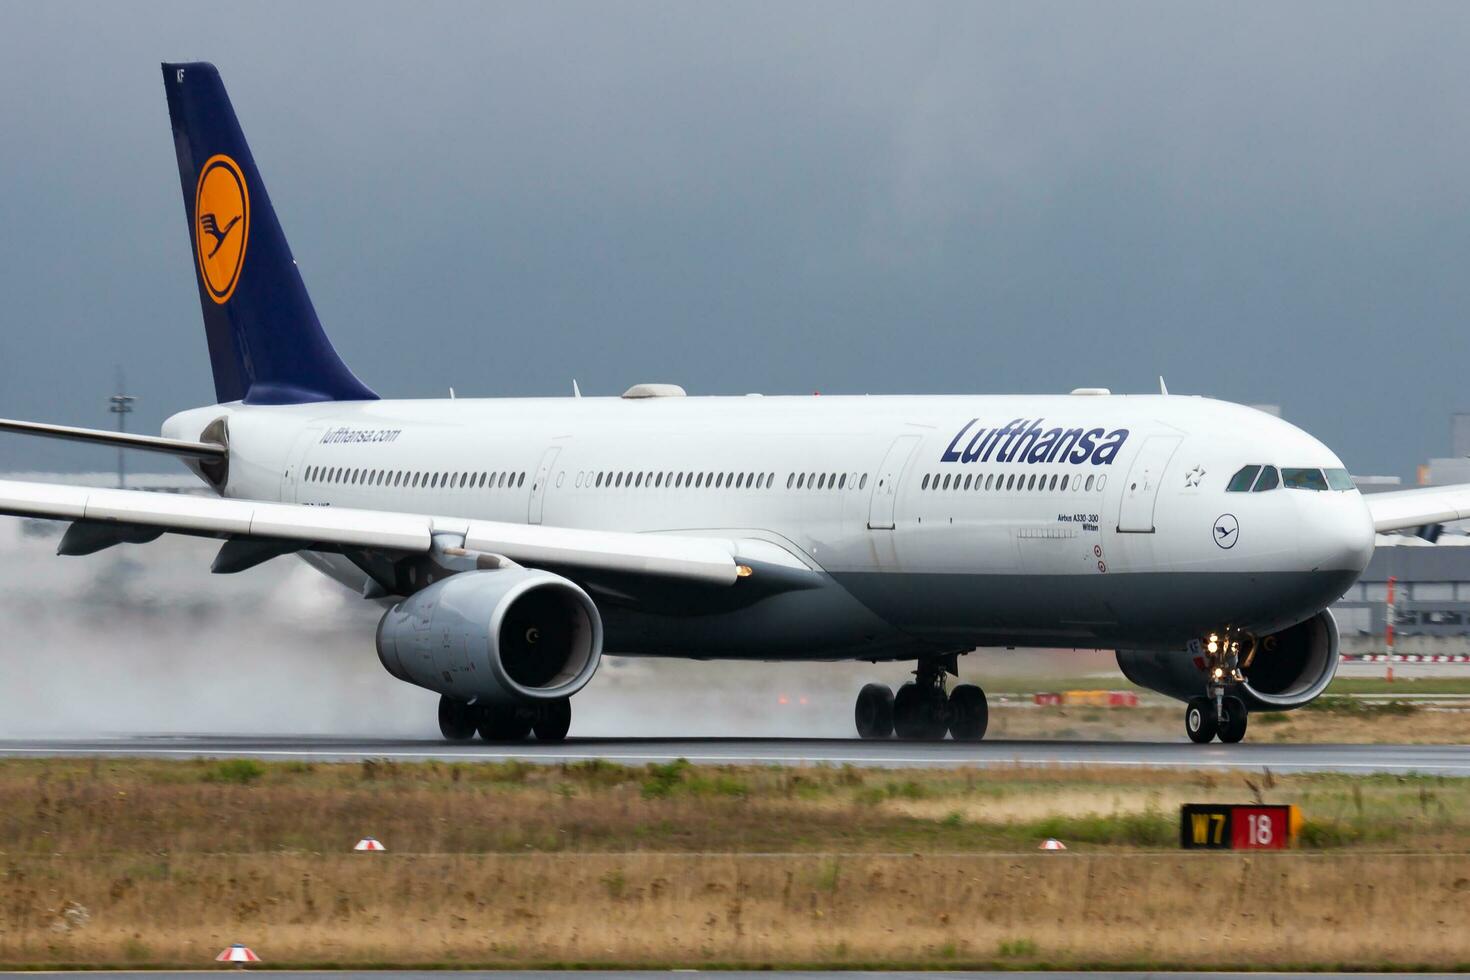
(1432, 577)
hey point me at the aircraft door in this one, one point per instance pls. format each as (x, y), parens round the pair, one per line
(885, 485)
(1136, 513)
(295, 463)
(544, 475)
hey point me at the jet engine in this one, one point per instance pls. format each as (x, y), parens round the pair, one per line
(505, 635)
(1289, 668)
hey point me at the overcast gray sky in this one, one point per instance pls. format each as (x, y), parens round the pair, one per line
(1264, 202)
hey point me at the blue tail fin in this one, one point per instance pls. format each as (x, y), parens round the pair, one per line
(266, 345)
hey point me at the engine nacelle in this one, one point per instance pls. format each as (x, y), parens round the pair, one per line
(507, 635)
(1290, 668)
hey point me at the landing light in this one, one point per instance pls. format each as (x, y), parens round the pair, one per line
(743, 571)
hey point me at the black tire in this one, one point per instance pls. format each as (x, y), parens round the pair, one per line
(505, 723)
(553, 720)
(1200, 721)
(908, 712)
(1233, 720)
(457, 719)
(969, 713)
(936, 715)
(873, 713)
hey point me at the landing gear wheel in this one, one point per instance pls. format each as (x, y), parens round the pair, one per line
(505, 723)
(457, 719)
(553, 719)
(969, 714)
(920, 712)
(1232, 720)
(874, 711)
(1200, 720)
(907, 706)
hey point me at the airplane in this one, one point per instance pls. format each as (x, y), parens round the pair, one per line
(511, 542)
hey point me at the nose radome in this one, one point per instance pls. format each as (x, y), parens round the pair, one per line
(1336, 530)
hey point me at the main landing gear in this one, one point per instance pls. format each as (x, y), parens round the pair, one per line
(1216, 713)
(548, 720)
(923, 708)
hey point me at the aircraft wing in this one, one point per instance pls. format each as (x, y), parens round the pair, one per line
(258, 530)
(121, 440)
(1399, 510)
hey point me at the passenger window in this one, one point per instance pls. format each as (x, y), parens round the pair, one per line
(863, 485)
(1088, 485)
(791, 480)
(1102, 481)
(1268, 480)
(1303, 479)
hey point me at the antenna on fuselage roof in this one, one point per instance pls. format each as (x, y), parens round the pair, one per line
(576, 392)
(451, 392)
(1163, 388)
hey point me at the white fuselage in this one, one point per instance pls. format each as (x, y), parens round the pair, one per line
(1097, 523)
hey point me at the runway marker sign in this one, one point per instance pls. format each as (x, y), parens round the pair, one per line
(1238, 826)
(369, 844)
(238, 953)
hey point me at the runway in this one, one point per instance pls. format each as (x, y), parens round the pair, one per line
(1445, 760)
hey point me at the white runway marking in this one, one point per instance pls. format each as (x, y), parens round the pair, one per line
(1451, 760)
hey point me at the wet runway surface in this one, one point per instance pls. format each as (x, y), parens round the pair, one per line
(1450, 760)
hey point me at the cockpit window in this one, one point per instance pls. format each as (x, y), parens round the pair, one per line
(1268, 481)
(1339, 479)
(1303, 479)
(1242, 480)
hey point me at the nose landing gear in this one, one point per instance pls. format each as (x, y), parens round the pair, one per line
(1218, 713)
(923, 708)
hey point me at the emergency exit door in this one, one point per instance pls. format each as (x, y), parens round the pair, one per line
(885, 486)
(1136, 513)
(538, 485)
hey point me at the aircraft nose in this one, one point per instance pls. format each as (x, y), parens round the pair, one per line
(1336, 530)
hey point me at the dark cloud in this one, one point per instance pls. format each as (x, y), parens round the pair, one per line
(1265, 202)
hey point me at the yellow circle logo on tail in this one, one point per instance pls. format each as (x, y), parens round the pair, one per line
(221, 225)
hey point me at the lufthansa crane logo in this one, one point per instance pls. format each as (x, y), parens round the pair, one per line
(221, 225)
(1227, 531)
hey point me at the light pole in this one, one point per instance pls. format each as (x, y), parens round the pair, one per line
(122, 404)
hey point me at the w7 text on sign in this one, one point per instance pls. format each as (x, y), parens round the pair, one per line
(1238, 826)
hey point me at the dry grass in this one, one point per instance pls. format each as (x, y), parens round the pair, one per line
(122, 862)
(1159, 909)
